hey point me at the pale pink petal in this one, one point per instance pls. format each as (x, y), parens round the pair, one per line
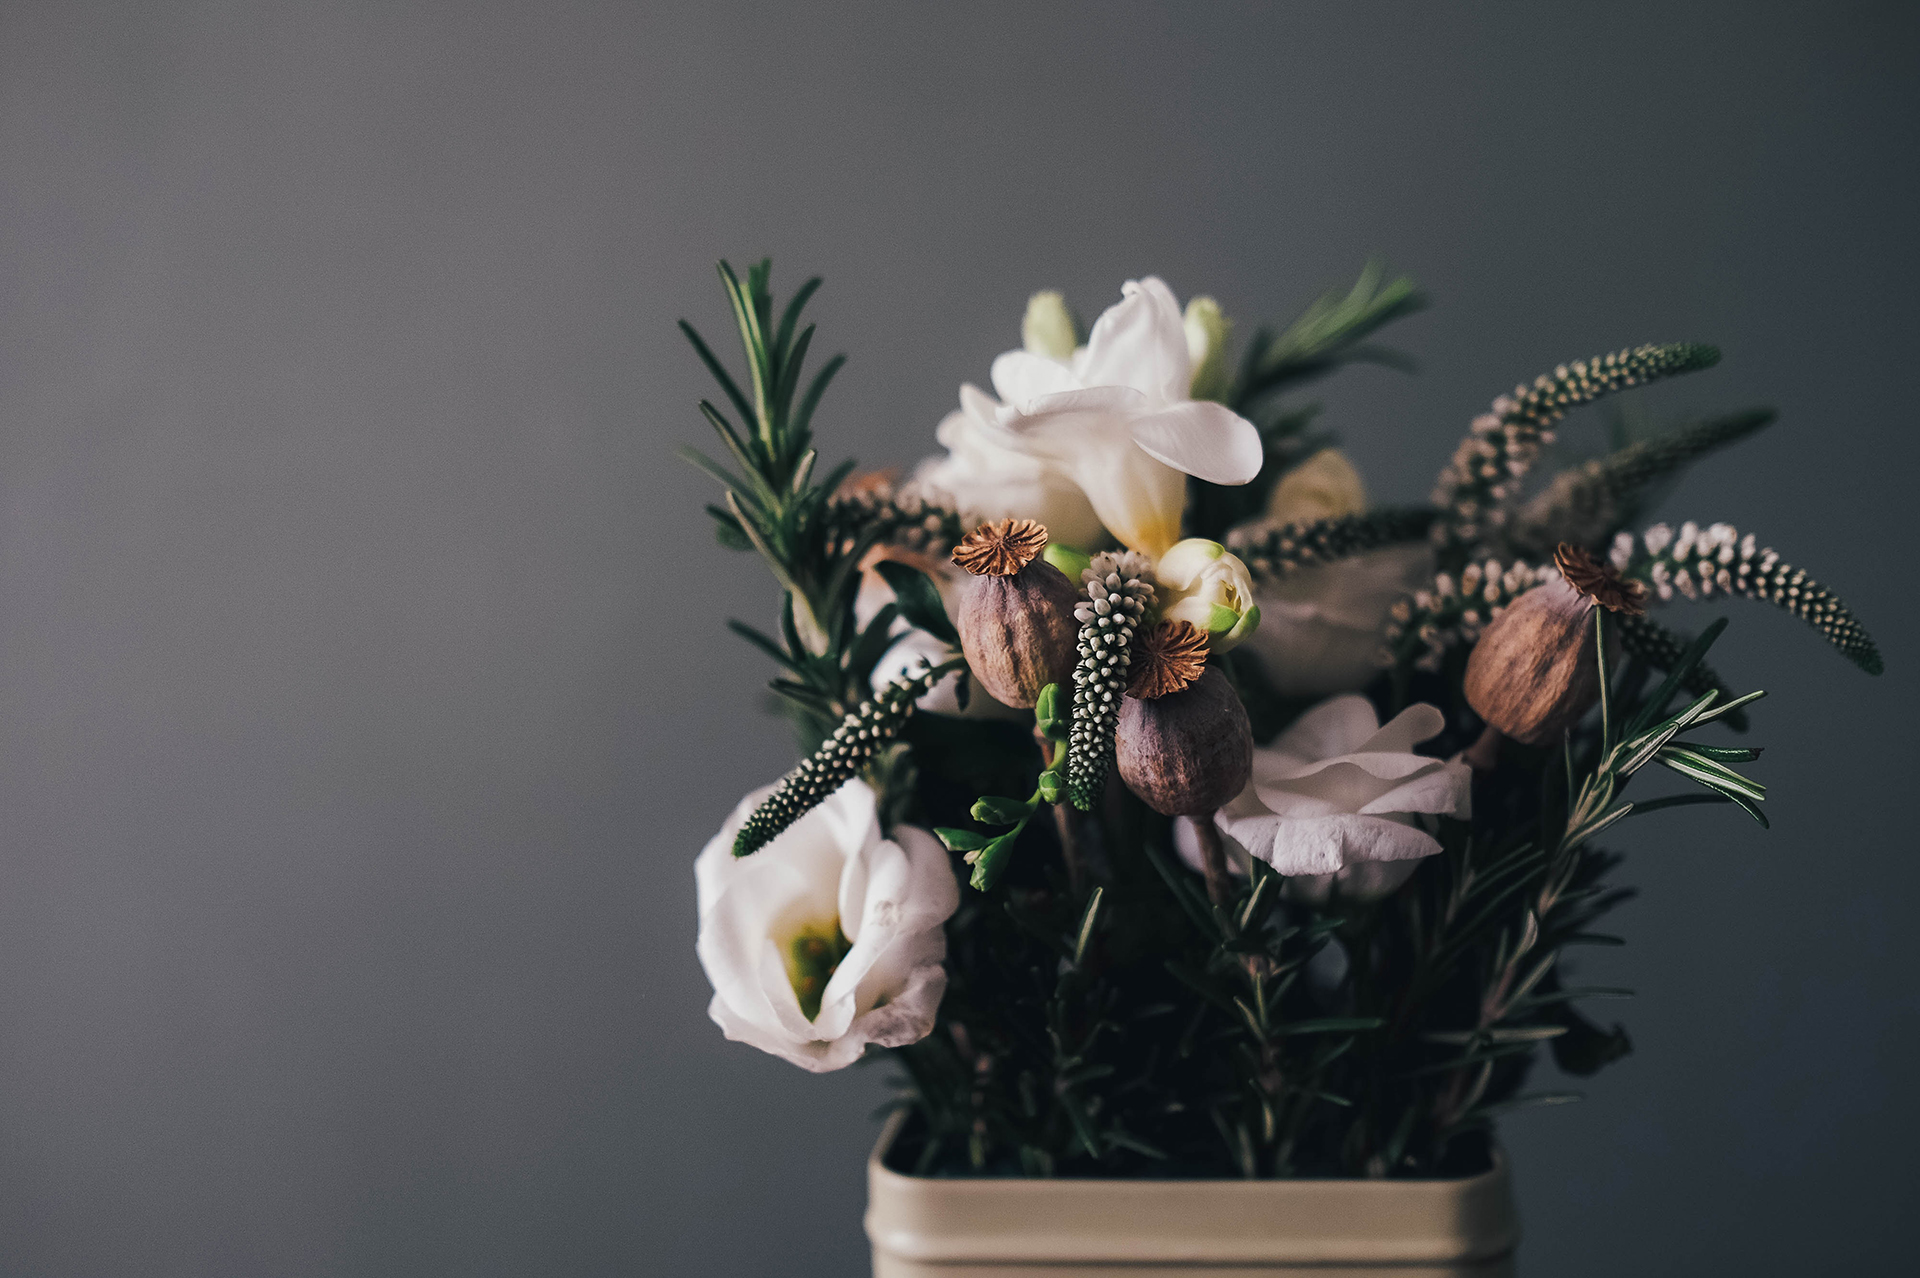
(1339, 725)
(1418, 722)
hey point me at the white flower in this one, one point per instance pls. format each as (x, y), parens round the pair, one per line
(828, 919)
(1320, 628)
(1116, 420)
(1204, 585)
(1324, 486)
(1336, 795)
(983, 479)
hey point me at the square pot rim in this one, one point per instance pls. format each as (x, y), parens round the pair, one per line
(1014, 1219)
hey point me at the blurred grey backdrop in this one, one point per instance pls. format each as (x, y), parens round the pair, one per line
(363, 692)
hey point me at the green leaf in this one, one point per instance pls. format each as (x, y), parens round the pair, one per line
(1331, 1025)
(1088, 919)
(1655, 706)
(719, 372)
(918, 599)
(765, 644)
(960, 840)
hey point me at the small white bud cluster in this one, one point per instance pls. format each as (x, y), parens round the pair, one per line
(1119, 592)
(1452, 612)
(1697, 563)
(1502, 444)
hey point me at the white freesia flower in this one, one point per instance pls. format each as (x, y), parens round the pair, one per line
(1334, 798)
(828, 939)
(1202, 584)
(1320, 627)
(983, 479)
(1116, 420)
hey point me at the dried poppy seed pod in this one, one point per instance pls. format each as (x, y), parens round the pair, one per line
(1016, 612)
(1183, 743)
(1534, 672)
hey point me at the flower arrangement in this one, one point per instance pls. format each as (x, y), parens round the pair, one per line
(1167, 810)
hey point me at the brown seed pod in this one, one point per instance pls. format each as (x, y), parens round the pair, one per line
(1534, 673)
(1188, 752)
(1015, 619)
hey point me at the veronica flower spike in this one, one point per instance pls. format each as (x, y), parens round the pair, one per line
(1116, 418)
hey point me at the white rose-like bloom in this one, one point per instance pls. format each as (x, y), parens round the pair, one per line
(1116, 420)
(1203, 585)
(1335, 796)
(1320, 627)
(827, 911)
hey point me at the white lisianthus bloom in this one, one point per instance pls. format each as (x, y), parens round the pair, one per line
(1202, 584)
(1116, 419)
(828, 939)
(1333, 801)
(1320, 627)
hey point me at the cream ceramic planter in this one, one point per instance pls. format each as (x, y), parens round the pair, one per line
(926, 1228)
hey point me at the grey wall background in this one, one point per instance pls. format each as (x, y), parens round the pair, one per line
(363, 692)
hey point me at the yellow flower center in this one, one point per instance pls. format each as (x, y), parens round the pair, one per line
(813, 955)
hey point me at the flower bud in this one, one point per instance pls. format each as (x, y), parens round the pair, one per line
(1324, 486)
(1015, 620)
(1048, 328)
(1210, 589)
(1208, 329)
(1535, 671)
(1188, 752)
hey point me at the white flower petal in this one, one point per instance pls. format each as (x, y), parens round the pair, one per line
(1320, 628)
(1322, 845)
(1445, 789)
(1203, 439)
(1020, 378)
(1140, 341)
(1337, 726)
(1418, 722)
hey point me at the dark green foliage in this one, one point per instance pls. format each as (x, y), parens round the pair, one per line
(1502, 444)
(1587, 504)
(1330, 334)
